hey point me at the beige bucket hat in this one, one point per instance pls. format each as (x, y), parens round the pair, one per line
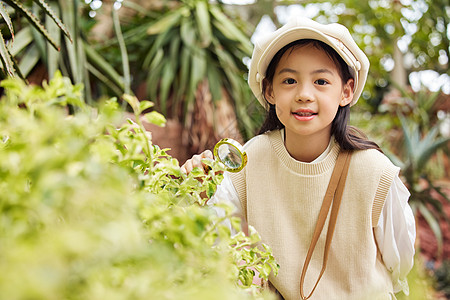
(335, 35)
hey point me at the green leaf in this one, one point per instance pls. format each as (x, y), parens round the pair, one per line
(50, 11)
(103, 66)
(167, 78)
(123, 52)
(52, 55)
(433, 222)
(69, 16)
(198, 70)
(143, 105)
(203, 23)
(133, 102)
(429, 145)
(229, 30)
(33, 21)
(155, 118)
(29, 60)
(214, 83)
(6, 58)
(104, 79)
(187, 33)
(7, 19)
(211, 189)
(23, 38)
(185, 65)
(160, 43)
(166, 22)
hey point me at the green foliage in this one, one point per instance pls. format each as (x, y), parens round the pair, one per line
(91, 209)
(419, 147)
(42, 38)
(9, 66)
(377, 26)
(184, 45)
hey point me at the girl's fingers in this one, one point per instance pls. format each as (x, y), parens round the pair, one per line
(196, 161)
(187, 167)
(207, 154)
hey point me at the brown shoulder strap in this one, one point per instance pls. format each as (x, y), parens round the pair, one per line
(334, 191)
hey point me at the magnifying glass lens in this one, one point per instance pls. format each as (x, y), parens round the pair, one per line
(230, 156)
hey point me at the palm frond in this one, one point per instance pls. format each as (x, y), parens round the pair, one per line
(5, 15)
(33, 20)
(6, 58)
(49, 11)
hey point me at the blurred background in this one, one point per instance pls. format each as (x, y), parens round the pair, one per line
(191, 57)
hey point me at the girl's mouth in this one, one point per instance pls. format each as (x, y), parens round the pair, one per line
(304, 115)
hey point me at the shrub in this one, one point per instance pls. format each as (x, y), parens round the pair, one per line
(91, 209)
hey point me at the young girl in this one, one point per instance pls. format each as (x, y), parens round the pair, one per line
(307, 75)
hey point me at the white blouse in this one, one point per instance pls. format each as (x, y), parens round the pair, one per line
(395, 233)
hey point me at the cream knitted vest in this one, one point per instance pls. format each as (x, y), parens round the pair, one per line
(281, 198)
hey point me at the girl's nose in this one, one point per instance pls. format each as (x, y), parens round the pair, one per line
(304, 93)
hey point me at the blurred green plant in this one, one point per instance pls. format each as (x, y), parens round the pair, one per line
(91, 209)
(419, 146)
(187, 44)
(420, 107)
(43, 38)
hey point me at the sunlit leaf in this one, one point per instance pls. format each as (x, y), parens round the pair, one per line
(143, 105)
(203, 21)
(155, 118)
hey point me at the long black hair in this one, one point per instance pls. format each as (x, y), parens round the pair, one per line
(348, 137)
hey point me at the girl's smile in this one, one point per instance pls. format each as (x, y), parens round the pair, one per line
(304, 114)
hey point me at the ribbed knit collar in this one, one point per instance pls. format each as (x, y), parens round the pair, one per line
(326, 164)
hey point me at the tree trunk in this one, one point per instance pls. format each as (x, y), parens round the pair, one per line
(399, 76)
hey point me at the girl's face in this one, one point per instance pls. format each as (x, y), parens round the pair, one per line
(307, 91)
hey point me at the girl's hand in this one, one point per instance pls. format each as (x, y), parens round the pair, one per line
(196, 162)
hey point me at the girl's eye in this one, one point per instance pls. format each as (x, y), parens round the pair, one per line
(289, 81)
(321, 82)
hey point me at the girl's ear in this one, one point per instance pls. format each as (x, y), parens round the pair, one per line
(268, 91)
(347, 92)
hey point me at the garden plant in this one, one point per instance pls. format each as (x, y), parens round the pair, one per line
(91, 209)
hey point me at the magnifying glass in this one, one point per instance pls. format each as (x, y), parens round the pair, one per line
(231, 154)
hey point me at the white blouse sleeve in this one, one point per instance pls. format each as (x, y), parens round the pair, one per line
(395, 235)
